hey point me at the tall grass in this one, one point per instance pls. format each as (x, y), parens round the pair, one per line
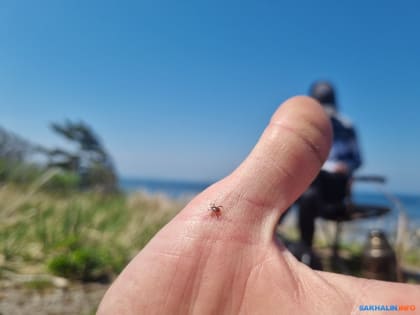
(79, 235)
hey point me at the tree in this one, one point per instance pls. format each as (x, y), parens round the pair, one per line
(13, 147)
(90, 159)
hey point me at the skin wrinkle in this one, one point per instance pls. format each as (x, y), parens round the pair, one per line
(238, 272)
(178, 244)
(202, 221)
(325, 285)
(167, 296)
(198, 280)
(284, 147)
(242, 296)
(264, 203)
(260, 257)
(366, 284)
(188, 244)
(314, 147)
(228, 237)
(174, 251)
(273, 164)
(289, 272)
(321, 286)
(240, 299)
(283, 173)
(199, 267)
(326, 133)
(342, 294)
(299, 291)
(263, 211)
(259, 204)
(203, 272)
(237, 199)
(259, 215)
(256, 267)
(236, 276)
(131, 285)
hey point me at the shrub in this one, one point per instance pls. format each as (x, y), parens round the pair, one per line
(63, 182)
(84, 263)
(18, 172)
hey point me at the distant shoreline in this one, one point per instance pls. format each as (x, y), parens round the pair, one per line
(131, 183)
(181, 188)
(172, 188)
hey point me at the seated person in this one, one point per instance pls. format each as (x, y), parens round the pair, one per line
(331, 184)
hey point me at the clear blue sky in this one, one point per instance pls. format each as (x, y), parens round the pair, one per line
(183, 89)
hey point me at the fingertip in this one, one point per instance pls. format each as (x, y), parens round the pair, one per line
(302, 101)
(305, 114)
(288, 155)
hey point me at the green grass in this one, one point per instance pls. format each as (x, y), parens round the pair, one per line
(39, 285)
(78, 235)
(412, 257)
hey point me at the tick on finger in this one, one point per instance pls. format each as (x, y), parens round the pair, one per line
(215, 210)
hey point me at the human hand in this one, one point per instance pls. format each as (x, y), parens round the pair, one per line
(203, 264)
(341, 168)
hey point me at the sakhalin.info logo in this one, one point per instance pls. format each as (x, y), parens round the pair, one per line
(389, 308)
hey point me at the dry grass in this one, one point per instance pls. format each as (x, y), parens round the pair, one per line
(83, 236)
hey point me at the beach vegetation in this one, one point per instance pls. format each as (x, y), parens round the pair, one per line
(84, 236)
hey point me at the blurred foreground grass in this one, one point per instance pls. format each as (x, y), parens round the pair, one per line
(77, 235)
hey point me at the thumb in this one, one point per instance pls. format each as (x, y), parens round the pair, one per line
(288, 155)
(181, 261)
(283, 163)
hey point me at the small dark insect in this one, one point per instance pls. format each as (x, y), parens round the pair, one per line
(215, 210)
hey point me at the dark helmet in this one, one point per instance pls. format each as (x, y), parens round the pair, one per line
(323, 92)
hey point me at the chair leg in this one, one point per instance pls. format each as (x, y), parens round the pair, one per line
(337, 263)
(336, 244)
(335, 259)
